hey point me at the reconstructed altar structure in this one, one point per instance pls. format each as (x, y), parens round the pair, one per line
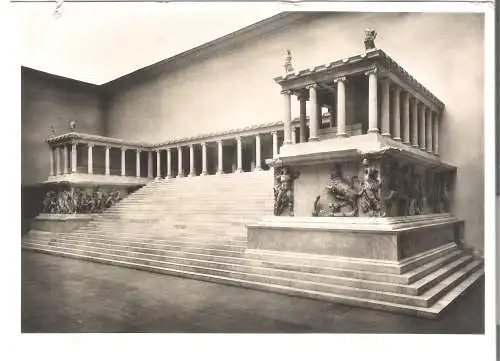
(371, 184)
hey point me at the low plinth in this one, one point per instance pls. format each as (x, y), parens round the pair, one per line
(52, 222)
(377, 238)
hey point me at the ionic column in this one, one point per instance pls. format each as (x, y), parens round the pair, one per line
(169, 163)
(275, 143)
(239, 166)
(123, 163)
(293, 134)
(204, 159)
(58, 160)
(138, 163)
(65, 159)
(150, 164)
(192, 171)
(435, 134)
(220, 168)
(396, 114)
(421, 126)
(257, 153)
(287, 116)
(406, 118)
(302, 119)
(90, 161)
(74, 157)
(341, 107)
(414, 124)
(158, 164)
(372, 101)
(106, 161)
(385, 119)
(180, 172)
(51, 162)
(314, 119)
(428, 130)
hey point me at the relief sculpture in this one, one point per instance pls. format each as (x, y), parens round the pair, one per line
(79, 201)
(370, 202)
(283, 191)
(344, 194)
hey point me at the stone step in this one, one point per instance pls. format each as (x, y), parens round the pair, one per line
(180, 242)
(449, 288)
(310, 260)
(238, 264)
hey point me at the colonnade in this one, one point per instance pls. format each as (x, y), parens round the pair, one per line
(411, 120)
(60, 164)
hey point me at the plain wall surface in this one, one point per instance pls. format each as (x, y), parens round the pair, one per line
(51, 101)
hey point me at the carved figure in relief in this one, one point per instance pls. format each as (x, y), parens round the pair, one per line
(370, 192)
(283, 192)
(344, 194)
(72, 126)
(370, 36)
(78, 201)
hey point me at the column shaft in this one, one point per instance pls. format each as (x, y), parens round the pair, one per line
(106, 161)
(74, 158)
(180, 171)
(257, 153)
(90, 161)
(396, 114)
(58, 160)
(341, 108)
(275, 143)
(150, 164)
(435, 134)
(287, 116)
(421, 126)
(414, 124)
(65, 159)
(192, 171)
(302, 119)
(428, 130)
(372, 102)
(158, 164)
(138, 163)
(239, 166)
(204, 159)
(314, 118)
(51, 162)
(220, 165)
(406, 118)
(169, 162)
(386, 130)
(123, 163)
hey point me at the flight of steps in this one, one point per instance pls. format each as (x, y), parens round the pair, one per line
(195, 227)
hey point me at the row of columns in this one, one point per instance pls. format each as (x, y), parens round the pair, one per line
(419, 129)
(64, 167)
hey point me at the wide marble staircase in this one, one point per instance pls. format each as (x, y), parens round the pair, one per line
(195, 227)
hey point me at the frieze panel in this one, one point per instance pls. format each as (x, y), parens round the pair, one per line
(79, 201)
(385, 188)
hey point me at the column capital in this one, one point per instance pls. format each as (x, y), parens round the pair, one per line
(108, 147)
(342, 79)
(374, 71)
(397, 89)
(312, 86)
(287, 92)
(179, 147)
(74, 142)
(90, 145)
(124, 149)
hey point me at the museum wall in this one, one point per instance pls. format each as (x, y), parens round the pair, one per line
(48, 101)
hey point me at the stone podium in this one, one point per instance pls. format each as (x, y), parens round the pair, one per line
(371, 205)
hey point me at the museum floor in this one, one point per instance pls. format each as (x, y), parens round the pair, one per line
(69, 295)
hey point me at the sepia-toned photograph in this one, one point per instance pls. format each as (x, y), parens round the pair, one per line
(231, 171)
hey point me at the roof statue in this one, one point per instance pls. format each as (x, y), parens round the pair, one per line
(288, 62)
(52, 131)
(72, 125)
(370, 36)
